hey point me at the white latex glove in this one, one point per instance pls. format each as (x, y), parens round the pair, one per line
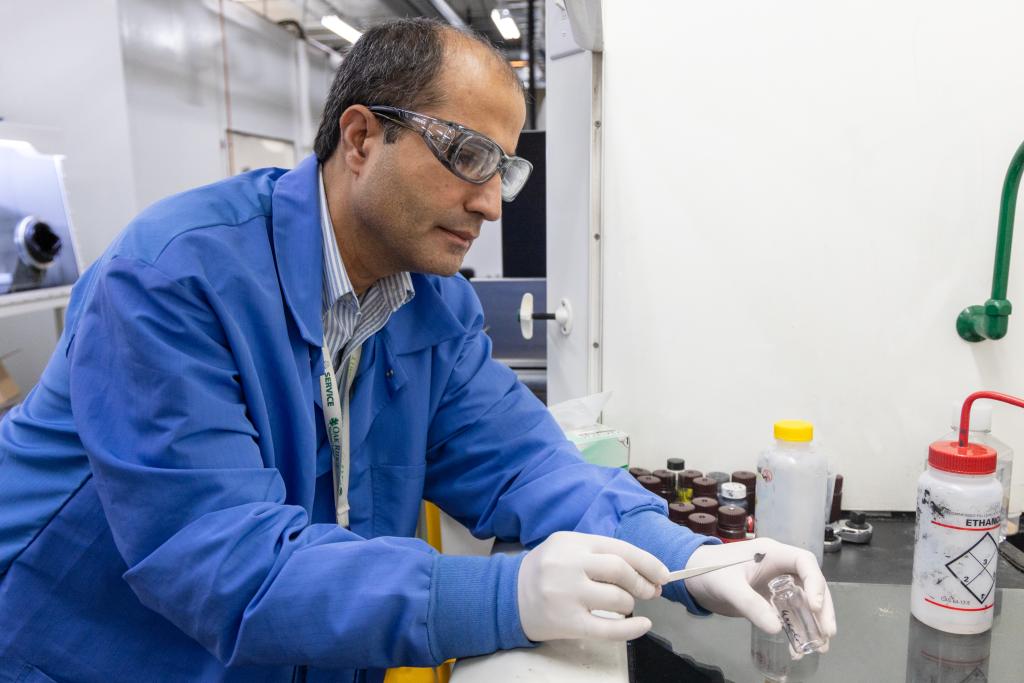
(570, 574)
(742, 591)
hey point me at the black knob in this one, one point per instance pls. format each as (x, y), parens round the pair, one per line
(857, 521)
(830, 534)
(41, 242)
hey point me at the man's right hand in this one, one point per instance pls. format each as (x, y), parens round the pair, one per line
(570, 574)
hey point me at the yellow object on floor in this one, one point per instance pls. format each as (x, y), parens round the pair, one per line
(441, 674)
(408, 674)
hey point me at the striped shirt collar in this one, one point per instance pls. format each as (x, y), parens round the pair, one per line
(341, 306)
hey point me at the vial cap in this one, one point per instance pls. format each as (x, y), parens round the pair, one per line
(688, 476)
(732, 517)
(668, 478)
(639, 472)
(733, 491)
(745, 477)
(650, 483)
(679, 512)
(720, 477)
(705, 504)
(981, 416)
(974, 458)
(705, 486)
(675, 464)
(794, 430)
(702, 523)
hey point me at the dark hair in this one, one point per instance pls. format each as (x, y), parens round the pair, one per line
(395, 63)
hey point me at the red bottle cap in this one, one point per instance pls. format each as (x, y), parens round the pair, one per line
(974, 458)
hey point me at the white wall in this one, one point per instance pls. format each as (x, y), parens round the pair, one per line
(572, 93)
(174, 71)
(174, 79)
(800, 197)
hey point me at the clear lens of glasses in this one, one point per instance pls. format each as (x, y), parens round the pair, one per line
(476, 158)
(514, 177)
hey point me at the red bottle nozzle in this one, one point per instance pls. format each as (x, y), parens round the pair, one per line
(965, 413)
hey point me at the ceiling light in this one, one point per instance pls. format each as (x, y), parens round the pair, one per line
(446, 11)
(334, 23)
(505, 23)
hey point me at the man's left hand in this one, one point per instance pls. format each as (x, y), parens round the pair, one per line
(742, 591)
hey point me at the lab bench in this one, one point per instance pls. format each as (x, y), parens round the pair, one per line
(878, 640)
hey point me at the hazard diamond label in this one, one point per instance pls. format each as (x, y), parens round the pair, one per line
(975, 569)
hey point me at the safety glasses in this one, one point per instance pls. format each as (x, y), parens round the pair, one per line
(470, 155)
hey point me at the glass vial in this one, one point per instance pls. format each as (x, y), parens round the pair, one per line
(732, 523)
(748, 479)
(686, 478)
(677, 465)
(797, 619)
(668, 484)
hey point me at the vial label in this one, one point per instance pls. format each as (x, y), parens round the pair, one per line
(956, 552)
(797, 619)
(793, 631)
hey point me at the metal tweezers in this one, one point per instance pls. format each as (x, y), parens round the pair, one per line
(697, 571)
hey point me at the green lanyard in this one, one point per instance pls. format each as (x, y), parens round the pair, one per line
(336, 423)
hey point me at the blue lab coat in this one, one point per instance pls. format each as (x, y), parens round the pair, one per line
(165, 490)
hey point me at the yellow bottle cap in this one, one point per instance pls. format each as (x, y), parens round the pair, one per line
(794, 430)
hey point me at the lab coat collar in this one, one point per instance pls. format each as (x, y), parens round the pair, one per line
(298, 248)
(425, 321)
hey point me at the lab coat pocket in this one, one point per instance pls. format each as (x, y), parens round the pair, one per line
(397, 492)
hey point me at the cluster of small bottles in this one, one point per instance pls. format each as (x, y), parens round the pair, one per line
(715, 504)
(723, 505)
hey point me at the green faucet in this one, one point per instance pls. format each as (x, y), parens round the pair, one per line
(990, 320)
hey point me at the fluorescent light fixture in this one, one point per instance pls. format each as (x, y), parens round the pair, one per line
(505, 23)
(446, 11)
(334, 23)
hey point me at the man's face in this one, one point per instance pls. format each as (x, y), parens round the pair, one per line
(420, 216)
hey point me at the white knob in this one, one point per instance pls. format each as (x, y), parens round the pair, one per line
(562, 316)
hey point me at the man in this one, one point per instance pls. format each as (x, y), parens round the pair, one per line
(219, 474)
